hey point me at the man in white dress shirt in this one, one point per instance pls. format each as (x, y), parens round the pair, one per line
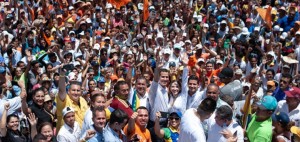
(291, 105)
(194, 96)
(191, 129)
(70, 131)
(222, 123)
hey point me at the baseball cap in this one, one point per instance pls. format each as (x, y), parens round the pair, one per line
(281, 117)
(172, 64)
(295, 130)
(271, 83)
(219, 62)
(200, 60)
(294, 92)
(286, 66)
(167, 51)
(101, 79)
(298, 33)
(113, 78)
(198, 46)
(226, 73)
(177, 46)
(67, 110)
(178, 113)
(268, 103)
(2, 70)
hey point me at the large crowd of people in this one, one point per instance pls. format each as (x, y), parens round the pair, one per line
(149, 71)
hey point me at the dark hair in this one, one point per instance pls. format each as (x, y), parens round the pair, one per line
(97, 109)
(118, 116)
(43, 125)
(289, 76)
(74, 83)
(37, 90)
(179, 85)
(34, 63)
(39, 137)
(141, 107)
(209, 62)
(193, 77)
(11, 116)
(141, 78)
(272, 71)
(225, 112)
(118, 84)
(20, 62)
(163, 70)
(208, 105)
(228, 99)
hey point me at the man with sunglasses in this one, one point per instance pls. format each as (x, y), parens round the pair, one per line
(260, 126)
(284, 85)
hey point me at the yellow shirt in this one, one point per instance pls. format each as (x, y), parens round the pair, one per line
(79, 110)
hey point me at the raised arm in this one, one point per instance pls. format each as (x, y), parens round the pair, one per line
(158, 131)
(33, 121)
(131, 122)
(3, 128)
(62, 85)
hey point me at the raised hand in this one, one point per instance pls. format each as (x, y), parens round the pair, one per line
(6, 106)
(89, 134)
(32, 119)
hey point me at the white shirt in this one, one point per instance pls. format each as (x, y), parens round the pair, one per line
(14, 105)
(194, 100)
(294, 115)
(191, 129)
(158, 99)
(144, 100)
(67, 134)
(214, 132)
(88, 121)
(180, 102)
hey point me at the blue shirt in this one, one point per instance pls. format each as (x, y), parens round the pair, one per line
(111, 136)
(98, 137)
(278, 94)
(17, 56)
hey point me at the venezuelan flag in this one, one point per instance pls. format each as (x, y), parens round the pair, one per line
(135, 101)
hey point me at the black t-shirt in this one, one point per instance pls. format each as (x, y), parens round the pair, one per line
(12, 136)
(41, 113)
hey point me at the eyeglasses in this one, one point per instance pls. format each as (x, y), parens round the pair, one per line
(172, 118)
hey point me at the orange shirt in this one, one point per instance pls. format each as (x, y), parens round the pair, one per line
(143, 135)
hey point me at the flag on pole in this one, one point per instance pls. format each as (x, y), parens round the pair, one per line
(266, 15)
(145, 10)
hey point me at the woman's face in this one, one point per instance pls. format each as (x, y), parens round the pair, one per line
(39, 98)
(13, 123)
(47, 132)
(92, 85)
(100, 101)
(49, 67)
(174, 88)
(174, 121)
(19, 72)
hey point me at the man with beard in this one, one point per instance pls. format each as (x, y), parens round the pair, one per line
(136, 127)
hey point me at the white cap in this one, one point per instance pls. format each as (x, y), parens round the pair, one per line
(71, 7)
(96, 46)
(205, 25)
(219, 62)
(76, 63)
(76, 55)
(223, 22)
(297, 33)
(151, 8)
(88, 20)
(106, 38)
(239, 71)
(140, 6)
(198, 46)
(159, 35)
(245, 31)
(67, 110)
(167, 51)
(256, 28)
(71, 75)
(108, 6)
(200, 60)
(277, 29)
(283, 35)
(188, 41)
(71, 32)
(177, 46)
(271, 53)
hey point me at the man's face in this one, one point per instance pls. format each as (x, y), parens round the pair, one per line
(123, 92)
(142, 118)
(141, 86)
(164, 79)
(75, 92)
(99, 119)
(193, 86)
(70, 119)
(262, 113)
(284, 83)
(209, 67)
(219, 120)
(212, 92)
(292, 102)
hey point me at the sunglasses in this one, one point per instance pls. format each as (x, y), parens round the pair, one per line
(172, 118)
